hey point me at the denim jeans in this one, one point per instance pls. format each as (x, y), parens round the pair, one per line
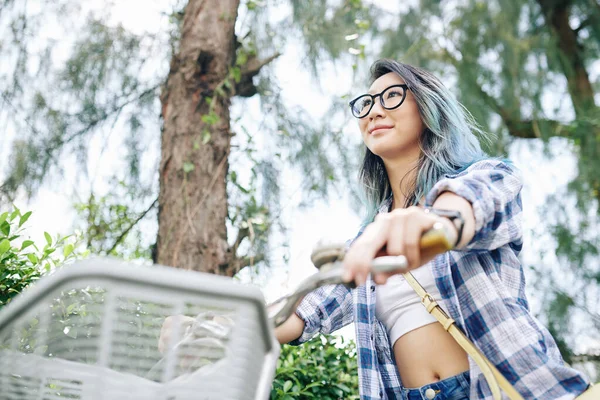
(453, 388)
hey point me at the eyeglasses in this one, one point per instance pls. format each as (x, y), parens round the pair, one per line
(390, 98)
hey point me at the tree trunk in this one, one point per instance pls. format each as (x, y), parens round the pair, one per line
(196, 140)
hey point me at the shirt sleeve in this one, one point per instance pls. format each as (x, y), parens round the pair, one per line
(324, 310)
(493, 188)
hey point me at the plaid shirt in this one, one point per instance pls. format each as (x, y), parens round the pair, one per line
(483, 289)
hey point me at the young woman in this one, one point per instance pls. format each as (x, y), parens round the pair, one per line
(422, 156)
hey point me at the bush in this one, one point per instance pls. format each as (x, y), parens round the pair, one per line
(324, 368)
(22, 262)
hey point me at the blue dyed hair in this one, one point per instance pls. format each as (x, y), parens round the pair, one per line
(448, 144)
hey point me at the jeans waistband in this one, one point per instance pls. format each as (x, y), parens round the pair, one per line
(452, 388)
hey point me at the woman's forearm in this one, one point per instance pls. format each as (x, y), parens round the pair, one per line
(290, 329)
(451, 201)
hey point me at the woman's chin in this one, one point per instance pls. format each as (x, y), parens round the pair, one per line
(388, 149)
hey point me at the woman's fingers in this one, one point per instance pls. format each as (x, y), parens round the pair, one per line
(394, 246)
(396, 233)
(416, 224)
(357, 261)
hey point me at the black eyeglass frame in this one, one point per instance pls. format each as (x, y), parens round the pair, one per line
(380, 95)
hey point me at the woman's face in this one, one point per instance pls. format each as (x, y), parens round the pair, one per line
(392, 134)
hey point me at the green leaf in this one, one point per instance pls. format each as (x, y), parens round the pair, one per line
(48, 238)
(188, 167)
(15, 214)
(210, 119)
(4, 246)
(205, 137)
(242, 58)
(287, 386)
(236, 72)
(344, 387)
(25, 244)
(33, 258)
(24, 218)
(68, 249)
(5, 228)
(3, 217)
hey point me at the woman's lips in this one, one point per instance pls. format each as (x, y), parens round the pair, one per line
(379, 129)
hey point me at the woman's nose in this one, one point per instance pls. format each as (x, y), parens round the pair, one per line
(377, 110)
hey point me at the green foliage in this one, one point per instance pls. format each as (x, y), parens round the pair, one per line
(68, 319)
(330, 32)
(324, 369)
(111, 224)
(22, 262)
(58, 106)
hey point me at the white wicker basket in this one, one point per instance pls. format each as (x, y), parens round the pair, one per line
(90, 332)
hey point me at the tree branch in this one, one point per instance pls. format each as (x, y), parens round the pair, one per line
(520, 128)
(245, 87)
(580, 358)
(572, 61)
(238, 263)
(584, 24)
(49, 149)
(134, 223)
(104, 116)
(242, 234)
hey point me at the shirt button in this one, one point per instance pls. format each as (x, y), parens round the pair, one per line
(430, 393)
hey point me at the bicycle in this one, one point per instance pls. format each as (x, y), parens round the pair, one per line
(90, 332)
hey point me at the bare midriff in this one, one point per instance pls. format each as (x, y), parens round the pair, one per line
(428, 354)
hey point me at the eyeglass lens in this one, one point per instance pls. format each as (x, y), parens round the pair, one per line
(391, 98)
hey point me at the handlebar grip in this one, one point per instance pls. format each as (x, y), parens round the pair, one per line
(435, 241)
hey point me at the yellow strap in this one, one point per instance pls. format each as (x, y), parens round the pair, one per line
(494, 378)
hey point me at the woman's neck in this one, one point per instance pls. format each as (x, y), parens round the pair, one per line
(401, 174)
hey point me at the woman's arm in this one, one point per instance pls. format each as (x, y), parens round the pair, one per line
(493, 190)
(488, 196)
(290, 330)
(323, 310)
(452, 201)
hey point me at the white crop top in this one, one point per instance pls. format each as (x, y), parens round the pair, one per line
(400, 308)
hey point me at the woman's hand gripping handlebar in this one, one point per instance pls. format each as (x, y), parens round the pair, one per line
(328, 259)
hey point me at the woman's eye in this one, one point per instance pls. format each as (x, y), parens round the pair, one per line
(365, 104)
(393, 94)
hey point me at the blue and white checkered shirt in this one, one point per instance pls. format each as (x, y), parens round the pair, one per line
(483, 289)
